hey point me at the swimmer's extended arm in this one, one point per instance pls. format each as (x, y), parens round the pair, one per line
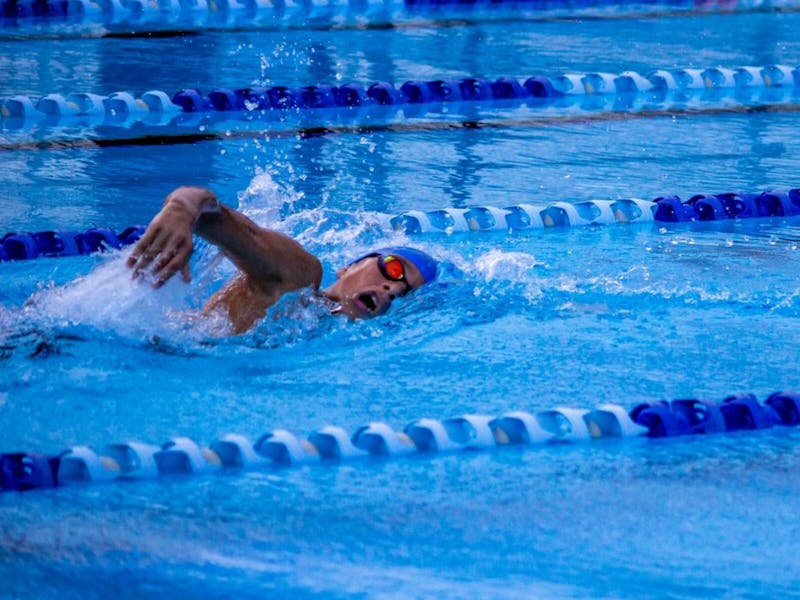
(271, 263)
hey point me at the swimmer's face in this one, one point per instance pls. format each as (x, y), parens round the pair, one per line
(367, 288)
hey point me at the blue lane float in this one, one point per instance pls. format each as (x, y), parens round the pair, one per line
(20, 471)
(103, 10)
(24, 245)
(519, 217)
(158, 107)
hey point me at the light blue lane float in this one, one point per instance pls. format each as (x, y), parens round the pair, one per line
(525, 216)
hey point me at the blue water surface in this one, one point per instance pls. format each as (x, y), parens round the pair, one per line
(518, 321)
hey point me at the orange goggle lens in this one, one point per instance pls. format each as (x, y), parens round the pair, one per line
(392, 268)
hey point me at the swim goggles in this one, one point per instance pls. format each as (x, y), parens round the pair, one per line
(392, 268)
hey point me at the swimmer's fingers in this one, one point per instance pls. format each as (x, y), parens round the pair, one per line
(169, 229)
(159, 245)
(187, 276)
(140, 249)
(172, 259)
(147, 251)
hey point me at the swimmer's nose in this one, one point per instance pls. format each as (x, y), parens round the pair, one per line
(394, 289)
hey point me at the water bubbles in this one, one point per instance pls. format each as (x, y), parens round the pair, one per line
(264, 193)
(514, 267)
(365, 141)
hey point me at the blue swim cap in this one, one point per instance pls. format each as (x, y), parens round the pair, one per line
(426, 264)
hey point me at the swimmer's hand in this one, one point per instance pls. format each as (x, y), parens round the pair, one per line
(167, 245)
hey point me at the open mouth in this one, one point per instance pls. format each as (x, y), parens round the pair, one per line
(368, 301)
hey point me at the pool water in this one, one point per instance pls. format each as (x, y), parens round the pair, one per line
(523, 320)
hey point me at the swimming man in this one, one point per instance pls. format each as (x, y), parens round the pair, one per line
(270, 263)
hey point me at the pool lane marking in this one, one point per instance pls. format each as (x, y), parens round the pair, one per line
(329, 130)
(384, 25)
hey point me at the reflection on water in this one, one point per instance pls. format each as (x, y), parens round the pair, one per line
(523, 321)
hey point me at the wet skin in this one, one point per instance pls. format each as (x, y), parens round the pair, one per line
(270, 263)
(362, 291)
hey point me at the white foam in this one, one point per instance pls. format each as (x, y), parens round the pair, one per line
(263, 199)
(497, 264)
(514, 267)
(108, 298)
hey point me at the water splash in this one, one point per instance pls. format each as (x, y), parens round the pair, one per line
(109, 299)
(511, 268)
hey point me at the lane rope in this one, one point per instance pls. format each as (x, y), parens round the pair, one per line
(278, 448)
(142, 12)
(629, 90)
(520, 217)
(663, 209)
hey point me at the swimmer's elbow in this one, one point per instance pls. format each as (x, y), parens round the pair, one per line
(315, 273)
(302, 274)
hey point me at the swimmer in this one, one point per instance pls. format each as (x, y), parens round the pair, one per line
(270, 263)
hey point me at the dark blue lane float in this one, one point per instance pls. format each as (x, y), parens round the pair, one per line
(734, 413)
(23, 245)
(20, 471)
(718, 207)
